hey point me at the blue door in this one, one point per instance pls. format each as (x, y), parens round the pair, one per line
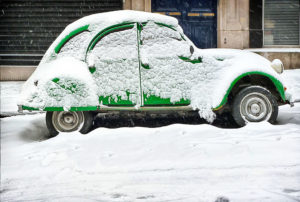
(198, 18)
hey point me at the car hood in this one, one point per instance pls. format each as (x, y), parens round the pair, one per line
(232, 63)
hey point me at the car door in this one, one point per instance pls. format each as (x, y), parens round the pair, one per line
(113, 61)
(164, 53)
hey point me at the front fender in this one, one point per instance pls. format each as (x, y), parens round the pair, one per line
(276, 82)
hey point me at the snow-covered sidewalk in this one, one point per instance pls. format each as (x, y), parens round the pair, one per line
(179, 162)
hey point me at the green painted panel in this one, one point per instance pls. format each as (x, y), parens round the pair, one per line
(165, 25)
(194, 61)
(72, 87)
(145, 66)
(220, 59)
(92, 69)
(88, 108)
(108, 100)
(29, 108)
(69, 36)
(275, 81)
(155, 100)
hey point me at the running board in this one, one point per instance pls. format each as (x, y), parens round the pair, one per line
(145, 108)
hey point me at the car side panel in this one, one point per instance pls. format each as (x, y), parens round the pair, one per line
(158, 51)
(113, 62)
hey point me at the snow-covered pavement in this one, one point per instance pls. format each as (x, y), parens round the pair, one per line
(178, 162)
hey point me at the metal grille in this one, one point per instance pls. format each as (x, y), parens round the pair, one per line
(28, 27)
(281, 22)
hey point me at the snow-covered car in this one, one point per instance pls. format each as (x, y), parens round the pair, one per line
(138, 61)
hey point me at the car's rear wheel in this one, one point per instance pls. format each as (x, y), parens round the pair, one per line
(65, 121)
(254, 104)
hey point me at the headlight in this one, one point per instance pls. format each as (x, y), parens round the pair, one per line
(277, 66)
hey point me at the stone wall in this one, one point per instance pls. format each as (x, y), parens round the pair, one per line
(290, 60)
(16, 73)
(139, 5)
(233, 24)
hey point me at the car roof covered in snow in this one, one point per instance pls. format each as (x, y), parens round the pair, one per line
(102, 20)
(97, 22)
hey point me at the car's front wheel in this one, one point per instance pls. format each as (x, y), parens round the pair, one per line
(254, 104)
(65, 121)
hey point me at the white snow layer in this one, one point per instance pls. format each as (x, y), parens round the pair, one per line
(116, 61)
(76, 46)
(10, 90)
(74, 85)
(100, 21)
(181, 162)
(184, 163)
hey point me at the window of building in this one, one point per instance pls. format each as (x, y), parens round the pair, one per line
(281, 22)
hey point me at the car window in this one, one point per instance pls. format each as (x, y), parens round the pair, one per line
(161, 41)
(76, 46)
(118, 44)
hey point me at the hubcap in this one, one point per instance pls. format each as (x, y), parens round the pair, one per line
(67, 121)
(255, 107)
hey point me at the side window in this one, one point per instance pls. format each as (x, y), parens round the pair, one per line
(117, 44)
(76, 46)
(161, 41)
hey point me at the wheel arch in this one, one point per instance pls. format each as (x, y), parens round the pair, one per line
(253, 78)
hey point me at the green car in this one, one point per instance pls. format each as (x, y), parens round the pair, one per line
(138, 61)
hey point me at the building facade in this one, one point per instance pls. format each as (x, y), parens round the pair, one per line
(268, 27)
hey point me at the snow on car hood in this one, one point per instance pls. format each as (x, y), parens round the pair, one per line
(223, 67)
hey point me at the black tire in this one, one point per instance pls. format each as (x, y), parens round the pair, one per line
(254, 104)
(52, 131)
(88, 122)
(84, 123)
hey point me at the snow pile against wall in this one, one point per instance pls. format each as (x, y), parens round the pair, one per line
(65, 82)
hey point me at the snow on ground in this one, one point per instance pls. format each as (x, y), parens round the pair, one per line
(178, 162)
(9, 96)
(259, 162)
